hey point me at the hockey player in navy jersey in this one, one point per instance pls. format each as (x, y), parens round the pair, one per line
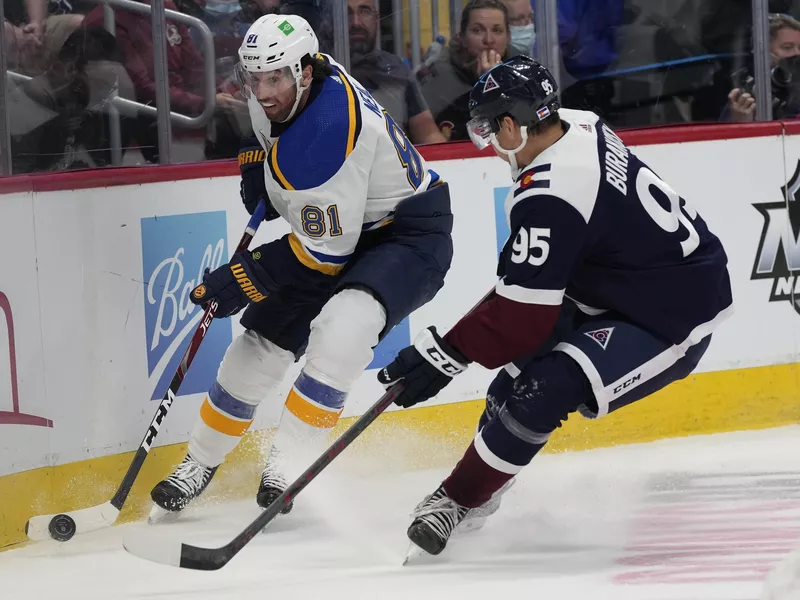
(610, 288)
(369, 243)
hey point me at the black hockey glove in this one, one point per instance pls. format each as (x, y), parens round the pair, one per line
(252, 186)
(424, 368)
(234, 285)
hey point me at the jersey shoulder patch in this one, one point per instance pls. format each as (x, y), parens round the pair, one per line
(533, 178)
(313, 148)
(569, 170)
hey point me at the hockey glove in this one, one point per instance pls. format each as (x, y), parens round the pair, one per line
(234, 285)
(252, 186)
(425, 368)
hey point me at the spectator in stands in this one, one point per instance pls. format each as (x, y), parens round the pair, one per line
(28, 15)
(318, 14)
(186, 82)
(520, 24)
(253, 9)
(58, 119)
(480, 44)
(37, 40)
(784, 54)
(587, 34)
(386, 76)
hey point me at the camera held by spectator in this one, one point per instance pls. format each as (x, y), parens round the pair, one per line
(784, 75)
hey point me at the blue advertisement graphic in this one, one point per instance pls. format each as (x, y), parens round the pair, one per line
(176, 250)
(501, 225)
(397, 339)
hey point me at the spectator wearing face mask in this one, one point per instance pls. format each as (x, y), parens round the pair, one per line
(784, 50)
(480, 44)
(386, 76)
(520, 26)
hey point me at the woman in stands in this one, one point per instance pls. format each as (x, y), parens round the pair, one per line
(481, 43)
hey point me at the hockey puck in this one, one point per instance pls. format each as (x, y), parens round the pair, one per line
(62, 528)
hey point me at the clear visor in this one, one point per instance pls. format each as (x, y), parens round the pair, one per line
(480, 132)
(264, 84)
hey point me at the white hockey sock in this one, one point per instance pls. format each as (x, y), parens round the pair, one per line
(252, 367)
(339, 349)
(311, 411)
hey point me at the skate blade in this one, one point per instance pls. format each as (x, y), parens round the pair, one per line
(413, 554)
(159, 516)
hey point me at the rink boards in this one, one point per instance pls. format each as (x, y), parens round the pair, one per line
(94, 317)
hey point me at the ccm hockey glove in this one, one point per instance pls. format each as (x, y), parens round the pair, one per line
(234, 285)
(424, 368)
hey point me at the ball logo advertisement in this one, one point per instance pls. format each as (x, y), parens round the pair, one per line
(500, 221)
(778, 256)
(176, 250)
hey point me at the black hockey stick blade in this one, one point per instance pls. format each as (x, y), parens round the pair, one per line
(103, 515)
(186, 556)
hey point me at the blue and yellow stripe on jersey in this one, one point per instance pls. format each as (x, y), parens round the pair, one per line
(313, 149)
(318, 261)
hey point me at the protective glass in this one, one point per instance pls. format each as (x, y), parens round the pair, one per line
(264, 84)
(480, 131)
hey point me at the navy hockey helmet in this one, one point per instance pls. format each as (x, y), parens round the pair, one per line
(519, 87)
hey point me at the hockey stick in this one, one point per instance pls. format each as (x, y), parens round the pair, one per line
(177, 554)
(63, 526)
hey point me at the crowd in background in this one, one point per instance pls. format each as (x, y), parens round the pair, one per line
(635, 62)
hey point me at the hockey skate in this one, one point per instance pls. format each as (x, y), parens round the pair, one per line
(476, 518)
(435, 518)
(273, 484)
(175, 492)
(438, 517)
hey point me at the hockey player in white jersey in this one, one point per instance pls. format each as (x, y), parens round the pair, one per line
(369, 243)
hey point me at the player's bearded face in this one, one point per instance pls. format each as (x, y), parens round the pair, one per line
(275, 91)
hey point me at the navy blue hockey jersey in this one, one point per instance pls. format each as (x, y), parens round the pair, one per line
(592, 222)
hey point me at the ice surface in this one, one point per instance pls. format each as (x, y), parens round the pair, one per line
(705, 517)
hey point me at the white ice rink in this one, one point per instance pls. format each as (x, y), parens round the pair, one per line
(696, 518)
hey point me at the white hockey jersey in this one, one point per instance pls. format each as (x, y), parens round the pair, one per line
(340, 168)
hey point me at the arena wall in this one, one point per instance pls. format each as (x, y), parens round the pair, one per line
(95, 269)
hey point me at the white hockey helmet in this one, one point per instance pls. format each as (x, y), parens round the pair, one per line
(276, 42)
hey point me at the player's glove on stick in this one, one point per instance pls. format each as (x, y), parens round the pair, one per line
(234, 285)
(252, 186)
(424, 368)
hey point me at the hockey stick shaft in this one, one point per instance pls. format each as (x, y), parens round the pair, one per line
(106, 514)
(183, 367)
(208, 559)
(188, 556)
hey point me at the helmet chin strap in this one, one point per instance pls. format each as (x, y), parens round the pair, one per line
(300, 89)
(512, 154)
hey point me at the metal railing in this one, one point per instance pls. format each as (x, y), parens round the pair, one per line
(547, 51)
(5, 130)
(209, 88)
(131, 108)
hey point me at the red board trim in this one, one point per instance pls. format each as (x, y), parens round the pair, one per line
(109, 177)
